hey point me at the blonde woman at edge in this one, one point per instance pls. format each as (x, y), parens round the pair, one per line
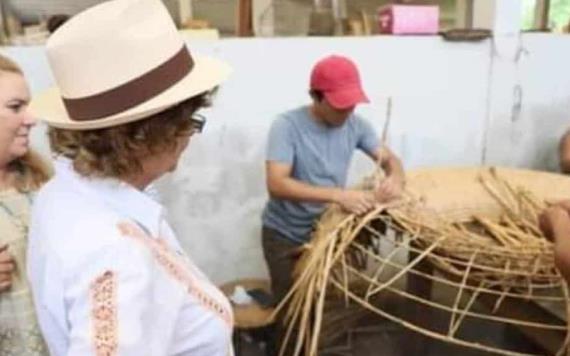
(21, 173)
(108, 274)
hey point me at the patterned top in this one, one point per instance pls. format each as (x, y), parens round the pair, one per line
(110, 278)
(19, 331)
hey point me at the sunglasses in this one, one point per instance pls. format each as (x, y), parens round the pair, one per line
(198, 122)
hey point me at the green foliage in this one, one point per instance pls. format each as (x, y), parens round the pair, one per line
(559, 13)
(528, 14)
(558, 17)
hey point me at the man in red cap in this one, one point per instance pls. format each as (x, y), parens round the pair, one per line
(308, 156)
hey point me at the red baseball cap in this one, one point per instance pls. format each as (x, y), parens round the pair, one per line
(338, 78)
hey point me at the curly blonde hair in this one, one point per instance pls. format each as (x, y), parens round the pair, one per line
(30, 170)
(117, 152)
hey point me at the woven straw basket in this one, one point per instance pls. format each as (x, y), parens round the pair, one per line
(433, 222)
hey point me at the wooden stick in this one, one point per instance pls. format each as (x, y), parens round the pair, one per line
(452, 327)
(468, 313)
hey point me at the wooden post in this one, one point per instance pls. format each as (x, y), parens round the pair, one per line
(541, 13)
(244, 27)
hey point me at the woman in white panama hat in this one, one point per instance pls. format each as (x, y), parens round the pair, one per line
(108, 274)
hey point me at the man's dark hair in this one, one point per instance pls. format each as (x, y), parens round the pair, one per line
(316, 94)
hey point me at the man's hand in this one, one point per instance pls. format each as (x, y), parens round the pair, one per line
(392, 186)
(6, 268)
(389, 188)
(554, 222)
(356, 201)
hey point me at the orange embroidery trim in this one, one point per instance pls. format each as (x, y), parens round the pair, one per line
(104, 314)
(176, 269)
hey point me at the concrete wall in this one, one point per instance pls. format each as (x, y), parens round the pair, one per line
(453, 104)
(530, 101)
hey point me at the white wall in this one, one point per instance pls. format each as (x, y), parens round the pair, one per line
(529, 136)
(452, 105)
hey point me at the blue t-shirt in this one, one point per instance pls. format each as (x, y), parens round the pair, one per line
(319, 155)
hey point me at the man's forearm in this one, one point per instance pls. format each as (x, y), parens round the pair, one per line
(292, 189)
(562, 260)
(393, 166)
(562, 249)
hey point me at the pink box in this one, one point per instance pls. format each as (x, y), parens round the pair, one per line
(408, 19)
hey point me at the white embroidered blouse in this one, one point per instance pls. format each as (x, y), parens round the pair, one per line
(110, 278)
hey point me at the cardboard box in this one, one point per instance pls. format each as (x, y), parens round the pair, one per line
(408, 19)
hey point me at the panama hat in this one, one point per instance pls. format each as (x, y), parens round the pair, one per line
(121, 61)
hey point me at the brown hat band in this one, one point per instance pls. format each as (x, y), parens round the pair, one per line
(133, 92)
